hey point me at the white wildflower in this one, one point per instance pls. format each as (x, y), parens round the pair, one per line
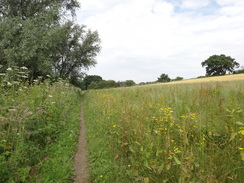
(12, 110)
(50, 96)
(9, 69)
(24, 68)
(156, 132)
(9, 84)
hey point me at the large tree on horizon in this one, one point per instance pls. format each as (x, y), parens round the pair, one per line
(219, 65)
(164, 78)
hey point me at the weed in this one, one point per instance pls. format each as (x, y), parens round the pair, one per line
(166, 133)
(38, 128)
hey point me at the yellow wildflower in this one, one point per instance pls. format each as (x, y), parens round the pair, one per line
(241, 132)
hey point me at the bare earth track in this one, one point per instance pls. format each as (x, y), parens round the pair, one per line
(81, 167)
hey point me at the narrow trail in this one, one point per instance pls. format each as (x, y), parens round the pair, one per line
(81, 166)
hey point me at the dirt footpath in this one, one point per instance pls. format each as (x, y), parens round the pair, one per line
(81, 167)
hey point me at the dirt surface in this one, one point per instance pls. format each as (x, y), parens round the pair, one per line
(81, 167)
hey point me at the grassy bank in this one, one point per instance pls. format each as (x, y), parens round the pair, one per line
(39, 125)
(167, 133)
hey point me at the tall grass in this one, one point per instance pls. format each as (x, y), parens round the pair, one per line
(39, 125)
(167, 133)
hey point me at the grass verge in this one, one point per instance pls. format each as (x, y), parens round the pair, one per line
(39, 127)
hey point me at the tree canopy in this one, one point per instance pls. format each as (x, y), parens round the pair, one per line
(164, 78)
(40, 35)
(91, 79)
(97, 82)
(219, 65)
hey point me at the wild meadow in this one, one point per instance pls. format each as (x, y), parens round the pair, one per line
(179, 133)
(39, 125)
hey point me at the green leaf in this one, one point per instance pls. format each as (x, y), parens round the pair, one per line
(131, 149)
(160, 169)
(145, 163)
(141, 149)
(186, 141)
(232, 136)
(168, 167)
(157, 152)
(242, 155)
(177, 160)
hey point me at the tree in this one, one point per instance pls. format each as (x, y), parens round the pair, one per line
(129, 83)
(89, 79)
(36, 34)
(240, 71)
(164, 78)
(103, 84)
(29, 42)
(178, 78)
(29, 8)
(77, 49)
(219, 65)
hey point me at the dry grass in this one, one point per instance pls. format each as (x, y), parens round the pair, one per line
(215, 78)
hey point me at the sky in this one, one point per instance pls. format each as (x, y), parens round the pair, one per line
(142, 39)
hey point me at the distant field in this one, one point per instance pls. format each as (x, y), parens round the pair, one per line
(232, 77)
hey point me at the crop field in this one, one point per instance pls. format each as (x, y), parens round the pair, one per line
(232, 77)
(189, 132)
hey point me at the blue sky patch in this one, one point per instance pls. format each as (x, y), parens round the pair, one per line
(210, 9)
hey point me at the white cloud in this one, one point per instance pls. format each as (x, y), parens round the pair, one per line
(194, 4)
(227, 2)
(142, 39)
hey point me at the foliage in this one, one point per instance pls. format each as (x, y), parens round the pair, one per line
(26, 8)
(96, 82)
(178, 78)
(91, 79)
(36, 34)
(38, 131)
(110, 84)
(219, 65)
(164, 78)
(166, 133)
(77, 50)
(103, 84)
(129, 83)
(147, 83)
(34, 51)
(239, 71)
